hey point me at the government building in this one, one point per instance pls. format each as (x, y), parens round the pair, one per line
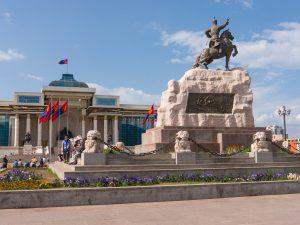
(87, 110)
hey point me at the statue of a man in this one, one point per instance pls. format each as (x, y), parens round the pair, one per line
(213, 33)
(27, 138)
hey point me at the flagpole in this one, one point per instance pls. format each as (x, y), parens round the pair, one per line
(68, 117)
(50, 130)
(58, 125)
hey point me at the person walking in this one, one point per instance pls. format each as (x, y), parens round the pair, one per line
(4, 162)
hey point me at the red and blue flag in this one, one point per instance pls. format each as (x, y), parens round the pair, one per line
(63, 61)
(45, 115)
(61, 110)
(151, 111)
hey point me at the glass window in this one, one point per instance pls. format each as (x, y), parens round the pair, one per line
(131, 130)
(28, 99)
(4, 128)
(106, 101)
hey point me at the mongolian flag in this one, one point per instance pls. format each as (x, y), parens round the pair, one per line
(63, 61)
(151, 111)
(64, 108)
(44, 116)
(55, 110)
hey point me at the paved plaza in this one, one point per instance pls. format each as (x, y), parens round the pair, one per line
(275, 210)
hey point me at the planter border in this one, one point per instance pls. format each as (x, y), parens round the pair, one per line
(135, 194)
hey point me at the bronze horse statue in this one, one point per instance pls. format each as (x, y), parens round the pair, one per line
(207, 55)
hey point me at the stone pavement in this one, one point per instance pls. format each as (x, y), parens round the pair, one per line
(275, 210)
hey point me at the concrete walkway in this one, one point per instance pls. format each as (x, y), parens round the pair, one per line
(275, 210)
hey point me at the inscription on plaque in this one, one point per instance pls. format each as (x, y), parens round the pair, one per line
(219, 103)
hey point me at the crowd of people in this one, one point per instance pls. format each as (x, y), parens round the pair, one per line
(71, 152)
(34, 162)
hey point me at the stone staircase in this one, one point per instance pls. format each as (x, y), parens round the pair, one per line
(120, 165)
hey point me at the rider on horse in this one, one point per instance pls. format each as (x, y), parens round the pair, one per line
(213, 33)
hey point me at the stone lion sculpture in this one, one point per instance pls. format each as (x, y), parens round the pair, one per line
(92, 143)
(182, 142)
(120, 145)
(260, 143)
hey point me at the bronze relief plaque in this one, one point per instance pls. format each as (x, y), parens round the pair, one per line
(219, 103)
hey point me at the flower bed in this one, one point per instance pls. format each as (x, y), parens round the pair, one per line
(231, 149)
(183, 178)
(21, 180)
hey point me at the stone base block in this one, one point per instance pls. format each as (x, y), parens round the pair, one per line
(261, 157)
(38, 150)
(27, 150)
(184, 157)
(93, 159)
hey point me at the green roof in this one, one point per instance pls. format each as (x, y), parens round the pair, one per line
(67, 80)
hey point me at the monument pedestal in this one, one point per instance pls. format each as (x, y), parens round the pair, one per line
(214, 106)
(93, 159)
(184, 157)
(27, 149)
(216, 139)
(261, 157)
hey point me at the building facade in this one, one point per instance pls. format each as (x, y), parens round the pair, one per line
(87, 110)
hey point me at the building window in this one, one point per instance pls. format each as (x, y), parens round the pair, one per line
(4, 129)
(106, 101)
(28, 99)
(131, 130)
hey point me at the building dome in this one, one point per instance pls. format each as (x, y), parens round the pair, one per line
(67, 80)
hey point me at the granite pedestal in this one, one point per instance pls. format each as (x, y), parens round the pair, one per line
(261, 157)
(93, 159)
(184, 157)
(27, 149)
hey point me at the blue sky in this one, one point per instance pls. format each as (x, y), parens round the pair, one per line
(132, 48)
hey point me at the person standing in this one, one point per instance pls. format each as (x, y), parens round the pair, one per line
(4, 162)
(66, 146)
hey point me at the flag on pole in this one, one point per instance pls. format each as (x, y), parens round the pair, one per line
(55, 109)
(44, 116)
(63, 61)
(64, 108)
(151, 111)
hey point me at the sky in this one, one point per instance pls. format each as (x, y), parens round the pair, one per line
(133, 48)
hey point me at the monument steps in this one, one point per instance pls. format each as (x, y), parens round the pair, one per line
(219, 169)
(152, 172)
(184, 166)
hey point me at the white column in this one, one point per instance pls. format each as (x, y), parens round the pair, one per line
(16, 135)
(116, 129)
(95, 122)
(105, 126)
(28, 121)
(83, 127)
(39, 133)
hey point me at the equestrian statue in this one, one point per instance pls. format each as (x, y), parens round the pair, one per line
(219, 46)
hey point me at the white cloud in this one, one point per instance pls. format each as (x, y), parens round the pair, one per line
(34, 77)
(244, 3)
(7, 17)
(267, 99)
(127, 95)
(10, 54)
(277, 48)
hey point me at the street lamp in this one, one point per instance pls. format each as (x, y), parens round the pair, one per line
(283, 111)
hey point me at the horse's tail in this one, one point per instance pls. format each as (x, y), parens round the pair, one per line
(202, 55)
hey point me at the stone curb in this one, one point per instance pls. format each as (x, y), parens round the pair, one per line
(156, 193)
